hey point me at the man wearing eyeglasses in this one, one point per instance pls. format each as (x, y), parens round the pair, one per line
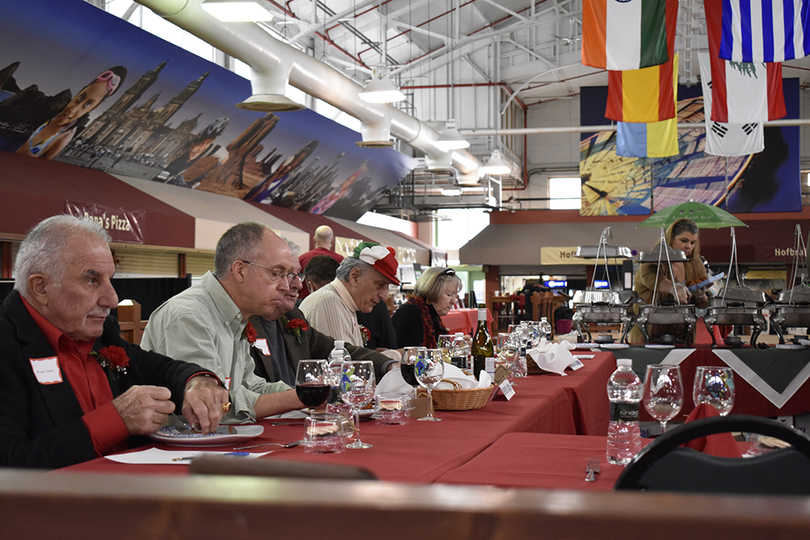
(208, 323)
(285, 337)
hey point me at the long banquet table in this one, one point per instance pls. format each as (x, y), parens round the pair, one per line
(769, 382)
(421, 452)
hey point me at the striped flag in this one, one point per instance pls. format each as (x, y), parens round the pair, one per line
(645, 95)
(765, 30)
(624, 34)
(653, 139)
(723, 139)
(742, 92)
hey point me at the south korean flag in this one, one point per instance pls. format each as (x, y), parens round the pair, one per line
(726, 139)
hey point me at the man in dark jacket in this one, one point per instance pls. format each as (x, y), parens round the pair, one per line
(71, 389)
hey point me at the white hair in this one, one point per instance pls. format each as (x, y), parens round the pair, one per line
(43, 249)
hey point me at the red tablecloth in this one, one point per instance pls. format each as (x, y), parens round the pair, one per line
(423, 451)
(538, 460)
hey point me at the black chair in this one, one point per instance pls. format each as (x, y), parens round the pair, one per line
(277, 468)
(664, 465)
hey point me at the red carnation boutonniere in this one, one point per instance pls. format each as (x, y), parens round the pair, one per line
(366, 333)
(112, 358)
(295, 327)
(249, 333)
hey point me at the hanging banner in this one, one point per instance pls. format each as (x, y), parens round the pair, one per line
(121, 224)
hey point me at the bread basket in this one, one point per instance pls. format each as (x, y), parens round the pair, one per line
(457, 398)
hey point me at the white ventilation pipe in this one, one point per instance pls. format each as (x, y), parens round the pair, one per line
(268, 57)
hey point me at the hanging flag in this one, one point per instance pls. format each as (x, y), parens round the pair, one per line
(624, 34)
(723, 139)
(652, 139)
(765, 30)
(645, 95)
(742, 92)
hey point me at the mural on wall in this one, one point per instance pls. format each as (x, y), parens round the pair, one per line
(768, 181)
(86, 88)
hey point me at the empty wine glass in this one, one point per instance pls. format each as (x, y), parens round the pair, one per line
(715, 386)
(663, 392)
(429, 373)
(312, 383)
(357, 385)
(407, 363)
(445, 343)
(508, 354)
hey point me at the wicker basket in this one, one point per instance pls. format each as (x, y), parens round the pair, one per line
(458, 399)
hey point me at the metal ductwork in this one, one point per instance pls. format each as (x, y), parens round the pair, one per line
(272, 62)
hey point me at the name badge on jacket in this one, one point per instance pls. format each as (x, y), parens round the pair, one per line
(46, 370)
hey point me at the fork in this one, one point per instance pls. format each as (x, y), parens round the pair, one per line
(283, 445)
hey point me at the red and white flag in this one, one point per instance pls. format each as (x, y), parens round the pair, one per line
(742, 92)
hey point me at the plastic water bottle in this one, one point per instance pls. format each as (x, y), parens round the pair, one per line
(460, 352)
(337, 357)
(624, 392)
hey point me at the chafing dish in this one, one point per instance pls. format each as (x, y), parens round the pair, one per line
(737, 306)
(792, 308)
(603, 308)
(665, 313)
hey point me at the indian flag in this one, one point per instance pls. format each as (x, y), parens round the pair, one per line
(624, 34)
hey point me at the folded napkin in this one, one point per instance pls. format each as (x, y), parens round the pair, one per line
(392, 384)
(719, 444)
(455, 374)
(553, 358)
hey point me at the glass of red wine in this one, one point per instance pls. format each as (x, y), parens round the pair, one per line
(312, 383)
(408, 361)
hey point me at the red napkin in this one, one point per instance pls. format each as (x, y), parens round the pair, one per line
(719, 444)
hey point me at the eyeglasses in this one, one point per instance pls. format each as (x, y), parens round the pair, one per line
(277, 275)
(448, 272)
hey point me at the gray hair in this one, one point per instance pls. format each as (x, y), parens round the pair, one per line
(348, 264)
(430, 284)
(239, 243)
(295, 249)
(44, 247)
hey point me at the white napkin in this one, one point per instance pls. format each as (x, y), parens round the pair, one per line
(553, 358)
(392, 384)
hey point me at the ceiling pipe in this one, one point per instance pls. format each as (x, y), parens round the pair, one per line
(265, 55)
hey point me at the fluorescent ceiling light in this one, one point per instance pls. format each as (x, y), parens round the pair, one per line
(451, 139)
(381, 90)
(227, 11)
(495, 165)
(451, 192)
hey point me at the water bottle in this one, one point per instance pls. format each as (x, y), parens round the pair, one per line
(460, 352)
(624, 391)
(545, 329)
(337, 357)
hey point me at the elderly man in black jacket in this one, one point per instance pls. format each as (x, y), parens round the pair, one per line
(71, 389)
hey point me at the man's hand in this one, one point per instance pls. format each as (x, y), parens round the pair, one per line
(144, 409)
(203, 402)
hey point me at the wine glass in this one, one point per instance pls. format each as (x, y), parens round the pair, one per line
(429, 373)
(445, 343)
(357, 385)
(714, 385)
(408, 362)
(508, 354)
(312, 383)
(663, 392)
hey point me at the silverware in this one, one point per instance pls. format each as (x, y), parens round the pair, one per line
(591, 470)
(283, 445)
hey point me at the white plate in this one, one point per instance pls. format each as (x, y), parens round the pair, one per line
(224, 435)
(614, 345)
(789, 346)
(587, 345)
(659, 346)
